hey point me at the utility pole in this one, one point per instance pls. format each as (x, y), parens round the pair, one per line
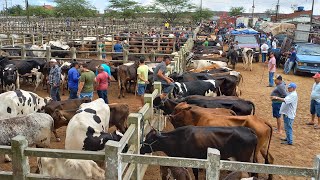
(277, 10)
(252, 14)
(6, 8)
(200, 11)
(311, 17)
(27, 9)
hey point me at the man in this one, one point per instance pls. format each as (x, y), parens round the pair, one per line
(271, 69)
(73, 80)
(279, 91)
(315, 102)
(288, 109)
(166, 25)
(102, 46)
(125, 45)
(206, 43)
(159, 75)
(290, 62)
(142, 73)
(85, 88)
(274, 43)
(54, 80)
(106, 68)
(118, 47)
(102, 82)
(264, 51)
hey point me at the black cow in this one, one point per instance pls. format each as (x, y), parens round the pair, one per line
(240, 106)
(58, 54)
(199, 87)
(193, 142)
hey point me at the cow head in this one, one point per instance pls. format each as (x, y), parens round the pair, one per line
(151, 142)
(59, 119)
(181, 115)
(10, 74)
(167, 105)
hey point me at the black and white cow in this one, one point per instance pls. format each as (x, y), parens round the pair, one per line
(247, 58)
(36, 127)
(20, 102)
(87, 130)
(10, 79)
(198, 87)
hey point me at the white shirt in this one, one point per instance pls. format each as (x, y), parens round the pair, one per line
(289, 106)
(315, 93)
(264, 48)
(274, 45)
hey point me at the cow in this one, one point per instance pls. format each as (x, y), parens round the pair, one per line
(236, 142)
(87, 129)
(70, 168)
(20, 102)
(197, 64)
(39, 77)
(174, 173)
(240, 106)
(36, 127)
(185, 115)
(200, 87)
(126, 74)
(63, 111)
(10, 79)
(247, 58)
(239, 176)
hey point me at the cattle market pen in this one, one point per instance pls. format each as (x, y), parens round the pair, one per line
(132, 165)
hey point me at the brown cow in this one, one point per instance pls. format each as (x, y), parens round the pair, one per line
(119, 113)
(185, 114)
(174, 173)
(126, 74)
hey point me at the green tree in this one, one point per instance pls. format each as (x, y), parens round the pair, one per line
(270, 11)
(236, 11)
(171, 10)
(124, 9)
(203, 14)
(40, 11)
(74, 8)
(16, 10)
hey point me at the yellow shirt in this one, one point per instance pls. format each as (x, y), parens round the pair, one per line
(143, 70)
(166, 25)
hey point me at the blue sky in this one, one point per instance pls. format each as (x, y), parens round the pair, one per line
(260, 5)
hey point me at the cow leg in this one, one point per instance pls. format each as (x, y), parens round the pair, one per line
(195, 173)
(18, 82)
(56, 135)
(7, 158)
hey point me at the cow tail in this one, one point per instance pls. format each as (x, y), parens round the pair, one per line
(253, 107)
(267, 160)
(119, 80)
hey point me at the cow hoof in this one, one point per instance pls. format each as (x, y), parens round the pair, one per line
(7, 159)
(58, 139)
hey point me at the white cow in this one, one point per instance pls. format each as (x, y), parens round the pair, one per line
(36, 127)
(20, 102)
(198, 64)
(60, 44)
(90, 121)
(70, 168)
(39, 53)
(247, 59)
(39, 77)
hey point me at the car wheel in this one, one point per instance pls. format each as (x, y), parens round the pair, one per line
(295, 70)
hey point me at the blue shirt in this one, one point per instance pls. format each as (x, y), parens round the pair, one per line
(73, 78)
(106, 69)
(117, 48)
(293, 56)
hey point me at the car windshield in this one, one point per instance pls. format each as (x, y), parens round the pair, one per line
(245, 39)
(309, 50)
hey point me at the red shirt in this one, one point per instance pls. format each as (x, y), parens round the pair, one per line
(102, 80)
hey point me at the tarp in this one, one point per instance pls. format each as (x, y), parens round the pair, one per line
(244, 31)
(277, 28)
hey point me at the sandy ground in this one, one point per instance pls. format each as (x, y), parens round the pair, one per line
(306, 139)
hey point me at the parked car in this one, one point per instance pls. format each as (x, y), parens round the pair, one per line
(249, 41)
(280, 38)
(308, 58)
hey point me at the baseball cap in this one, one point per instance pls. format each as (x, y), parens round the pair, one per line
(317, 75)
(279, 77)
(292, 85)
(53, 60)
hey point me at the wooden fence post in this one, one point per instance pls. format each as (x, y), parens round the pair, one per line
(12, 41)
(112, 161)
(32, 39)
(153, 56)
(23, 52)
(143, 45)
(125, 55)
(317, 167)
(40, 37)
(73, 53)
(159, 41)
(99, 53)
(157, 85)
(23, 39)
(48, 53)
(112, 43)
(213, 166)
(20, 162)
(134, 119)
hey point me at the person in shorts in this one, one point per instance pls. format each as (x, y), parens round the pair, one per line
(315, 102)
(142, 73)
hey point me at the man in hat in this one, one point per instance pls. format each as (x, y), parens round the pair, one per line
(54, 80)
(279, 91)
(159, 75)
(102, 83)
(315, 102)
(288, 109)
(73, 80)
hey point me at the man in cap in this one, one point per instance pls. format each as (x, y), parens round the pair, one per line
(54, 80)
(315, 102)
(288, 109)
(279, 91)
(102, 83)
(159, 75)
(73, 80)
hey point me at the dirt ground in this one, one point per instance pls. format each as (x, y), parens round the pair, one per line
(306, 139)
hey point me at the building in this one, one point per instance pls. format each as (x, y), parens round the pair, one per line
(48, 7)
(296, 17)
